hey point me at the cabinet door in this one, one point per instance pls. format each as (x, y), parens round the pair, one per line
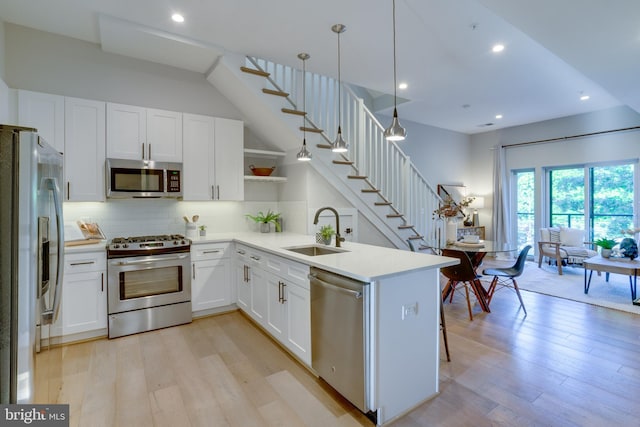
(258, 281)
(229, 160)
(298, 328)
(84, 302)
(84, 150)
(44, 112)
(243, 286)
(210, 284)
(126, 131)
(164, 135)
(276, 320)
(197, 154)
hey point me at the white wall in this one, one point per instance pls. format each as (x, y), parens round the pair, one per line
(4, 89)
(593, 149)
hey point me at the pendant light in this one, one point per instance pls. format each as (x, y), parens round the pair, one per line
(339, 145)
(304, 155)
(395, 132)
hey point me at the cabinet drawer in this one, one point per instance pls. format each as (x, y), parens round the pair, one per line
(291, 271)
(85, 262)
(210, 251)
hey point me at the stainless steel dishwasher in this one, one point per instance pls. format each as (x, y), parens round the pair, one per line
(338, 336)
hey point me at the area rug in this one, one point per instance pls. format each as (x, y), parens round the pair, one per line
(614, 294)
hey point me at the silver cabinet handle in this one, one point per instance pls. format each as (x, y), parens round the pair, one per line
(68, 190)
(143, 151)
(254, 257)
(213, 193)
(215, 251)
(193, 269)
(149, 150)
(241, 252)
(101, 282)
(218, 188)
(82, 263)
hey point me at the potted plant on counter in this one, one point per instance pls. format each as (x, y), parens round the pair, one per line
(265, 220)
(326, 233)
(605, 246)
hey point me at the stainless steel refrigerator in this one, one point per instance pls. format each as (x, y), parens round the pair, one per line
(31, 254)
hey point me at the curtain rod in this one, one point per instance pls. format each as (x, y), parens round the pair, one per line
(562, 138)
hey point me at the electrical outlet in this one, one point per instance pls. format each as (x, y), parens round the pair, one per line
(409, 310)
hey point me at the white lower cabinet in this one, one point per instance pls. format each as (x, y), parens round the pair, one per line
(211, 276)
(274, 291)
(83, 307)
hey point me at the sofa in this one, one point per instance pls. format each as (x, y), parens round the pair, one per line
(564, 246)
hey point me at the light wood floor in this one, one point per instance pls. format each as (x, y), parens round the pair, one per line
(565, 364)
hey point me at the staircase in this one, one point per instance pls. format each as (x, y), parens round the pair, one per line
(374, 174)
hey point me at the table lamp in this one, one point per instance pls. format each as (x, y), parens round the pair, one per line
(478, 203)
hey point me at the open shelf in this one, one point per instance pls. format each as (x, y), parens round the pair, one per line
(251, 152)
(265, 178)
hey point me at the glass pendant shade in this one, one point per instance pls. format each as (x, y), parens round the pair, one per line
(304, 155)
(395, 132)
(339, 145)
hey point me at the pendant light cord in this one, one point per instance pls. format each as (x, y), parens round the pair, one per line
(304, 101)
(395, 82)
(339, 89)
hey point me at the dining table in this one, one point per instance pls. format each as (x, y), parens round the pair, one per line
(476, 252)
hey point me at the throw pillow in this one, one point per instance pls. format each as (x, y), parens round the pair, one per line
(572, 237)
(554, 235)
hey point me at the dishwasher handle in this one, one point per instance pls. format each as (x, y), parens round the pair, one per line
(315, 279)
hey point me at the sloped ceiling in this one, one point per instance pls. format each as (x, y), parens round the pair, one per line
(555, 51)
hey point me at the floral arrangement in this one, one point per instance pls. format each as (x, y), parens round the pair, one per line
(449, 208)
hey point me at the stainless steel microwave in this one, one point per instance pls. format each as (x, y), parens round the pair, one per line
(128, 179)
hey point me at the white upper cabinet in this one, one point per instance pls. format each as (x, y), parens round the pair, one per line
(44, 112)
(229, 159)
(84, 150)
(139, 133)
(213, 158)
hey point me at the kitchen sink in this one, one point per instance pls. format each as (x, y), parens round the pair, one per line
(314, 250)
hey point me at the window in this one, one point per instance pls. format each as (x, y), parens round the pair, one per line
(596, 198)
(525, 202)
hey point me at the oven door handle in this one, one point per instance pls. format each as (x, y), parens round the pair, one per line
(150, 260)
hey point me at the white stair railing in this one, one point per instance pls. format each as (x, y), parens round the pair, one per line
(387, 167)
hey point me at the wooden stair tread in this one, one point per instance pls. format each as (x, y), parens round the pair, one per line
(382, 203)
(342, 162)
(308, 129)
(254, 71)
(356, 176)
(326, 146)
(394, 215)
(294, 112)
(405, 227)
(415, 237)
(370, 190)
(275, 92)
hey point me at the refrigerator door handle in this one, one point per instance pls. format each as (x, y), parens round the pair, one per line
(49, 316)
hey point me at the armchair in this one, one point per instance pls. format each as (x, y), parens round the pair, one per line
(563, 245)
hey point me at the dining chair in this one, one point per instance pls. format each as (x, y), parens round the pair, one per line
(464, 274)
(506, 277)
(443, 324)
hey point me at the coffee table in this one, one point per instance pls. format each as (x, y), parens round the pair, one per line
(624, 266)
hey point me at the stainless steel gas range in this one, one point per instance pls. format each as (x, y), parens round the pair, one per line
(148, 283)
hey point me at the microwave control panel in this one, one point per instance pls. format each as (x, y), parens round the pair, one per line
(173, 181)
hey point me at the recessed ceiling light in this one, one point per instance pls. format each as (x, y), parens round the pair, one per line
(584, 97)
(498, 116)
(177, 17)
(497, 48)
(403, 86)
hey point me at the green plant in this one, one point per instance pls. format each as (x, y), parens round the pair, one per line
(605, 243)
(266, 218)
(202, 227)
(327, 231)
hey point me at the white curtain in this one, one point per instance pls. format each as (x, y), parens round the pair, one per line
(501, 199)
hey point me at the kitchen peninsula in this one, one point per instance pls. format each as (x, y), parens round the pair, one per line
(401, 327)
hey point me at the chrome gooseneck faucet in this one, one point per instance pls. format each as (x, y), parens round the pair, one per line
(335, 212)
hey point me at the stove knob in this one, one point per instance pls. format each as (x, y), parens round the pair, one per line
(184, 242)
(125, 245)
(116, 246)
(175, 242)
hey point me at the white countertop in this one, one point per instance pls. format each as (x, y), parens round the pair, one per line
(361, 262)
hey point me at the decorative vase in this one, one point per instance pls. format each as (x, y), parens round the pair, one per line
(265, 227)
(629, 248)
(452, 230)
(203, 233)
(605, 253)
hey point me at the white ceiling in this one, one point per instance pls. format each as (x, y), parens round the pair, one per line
(555, 49)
